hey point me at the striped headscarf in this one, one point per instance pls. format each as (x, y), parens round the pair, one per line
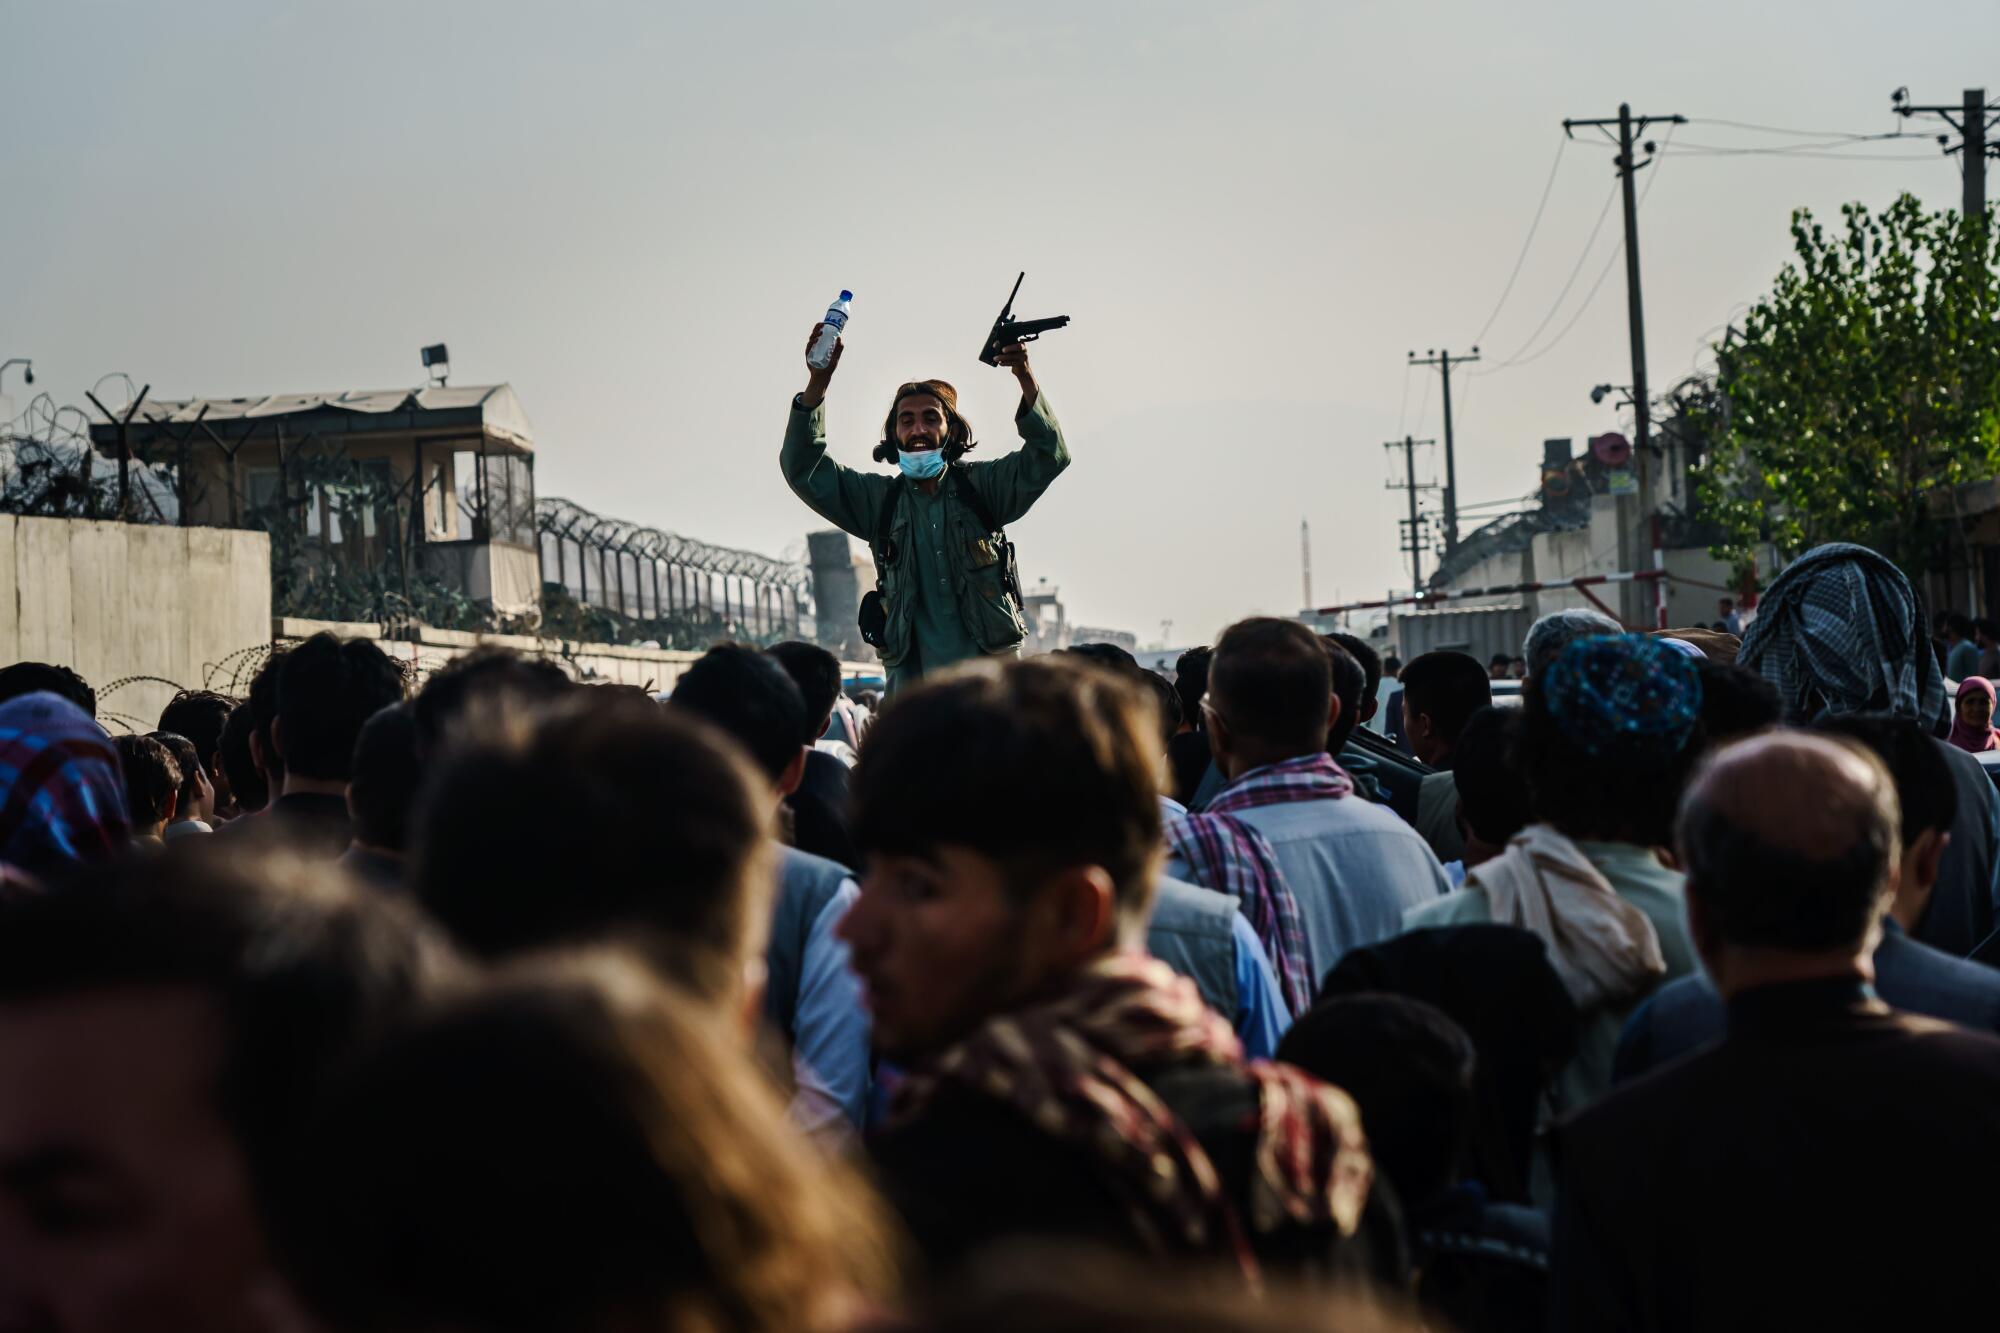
(1067, 1064)
(62, 797)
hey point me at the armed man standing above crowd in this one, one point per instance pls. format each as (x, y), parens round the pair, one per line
(944, 568)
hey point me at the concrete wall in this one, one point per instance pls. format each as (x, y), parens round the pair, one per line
(118, 600)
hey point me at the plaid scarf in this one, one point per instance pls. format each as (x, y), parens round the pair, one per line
(62, 796)
(1229, 856)
(1066, 1063)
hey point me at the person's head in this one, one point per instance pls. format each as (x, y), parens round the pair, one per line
(817, 674)
(1440, 691)
(248, 790)
(1727, 606)
(752, 699)
(1609, 730)
(629, 821)
(1011, 821)
(199, 715)
(1790, 843)
(1110, 657)
(152, 782)
(1517, 668)
(924, 415)
(264, 716)
(386, 776)
(1492, 795)
(1409, 1068)
(1168, 700)
(1958, 627)
(196, 798)
(1191, 684)
(1878, 663)
(1736, 702)
(1270, 694)
(1925, 795)
(1557, 630)
(470, 692)
(1350, 692)
(1371, 670)
(162, 1029)
(1975, 703)
(327, 688)
(1392, 667)
(575, 1147)
(65, 797)
(1496, 666)
(42, 678)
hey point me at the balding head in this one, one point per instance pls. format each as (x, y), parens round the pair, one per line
(1790, 842)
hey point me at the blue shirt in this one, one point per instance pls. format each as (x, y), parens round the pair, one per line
(1261, 1019)
(831, 1036)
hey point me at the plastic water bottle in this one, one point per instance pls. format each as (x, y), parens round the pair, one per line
(821, 355)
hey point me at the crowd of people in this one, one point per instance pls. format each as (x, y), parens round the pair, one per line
(1305, 990)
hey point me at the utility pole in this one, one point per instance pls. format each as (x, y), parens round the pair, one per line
(1413, 526)
(1972, 117)
(1627, 165)
(1444, 361)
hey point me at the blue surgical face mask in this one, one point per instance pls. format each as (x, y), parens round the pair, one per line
(921, 465)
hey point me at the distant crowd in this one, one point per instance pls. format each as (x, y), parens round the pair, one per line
(1305, 990)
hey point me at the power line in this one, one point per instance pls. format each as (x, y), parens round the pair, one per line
(1527, 241)
(1562, 295)
(1802, 134)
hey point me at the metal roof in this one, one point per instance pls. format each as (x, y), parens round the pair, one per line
(492, 409)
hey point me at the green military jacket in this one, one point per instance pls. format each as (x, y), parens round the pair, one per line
(943, 590)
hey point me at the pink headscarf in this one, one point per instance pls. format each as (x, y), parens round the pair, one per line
(1968, 737)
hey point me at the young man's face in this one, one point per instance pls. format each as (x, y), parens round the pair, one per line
(920, 423)
(941, 944)
(123, 1197)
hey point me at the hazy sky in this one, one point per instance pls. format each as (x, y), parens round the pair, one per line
(634, 212)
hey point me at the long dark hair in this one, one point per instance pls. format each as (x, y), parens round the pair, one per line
(958, 440)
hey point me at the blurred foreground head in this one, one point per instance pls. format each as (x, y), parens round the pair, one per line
(575, 1148)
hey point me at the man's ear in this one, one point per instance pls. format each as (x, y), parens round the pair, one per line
(1371, 704)
(1922, 861)
(1084, 904)
(1332, 714)
(794, 774)
(277, 739)
(173, 804)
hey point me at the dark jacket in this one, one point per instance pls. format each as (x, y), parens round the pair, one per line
(1963, 911)
(819, 811)
(1830, 1165)
(1686, 1013)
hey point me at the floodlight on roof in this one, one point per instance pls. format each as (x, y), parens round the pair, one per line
(437, 362)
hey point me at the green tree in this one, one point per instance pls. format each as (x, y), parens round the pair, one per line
(1864, 389)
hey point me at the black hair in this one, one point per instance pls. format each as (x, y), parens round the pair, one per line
(386, 776)
(188, 761)
(1061, 747)
(1585, 797)
(817, 674)
(152, 777)
(1486, 767)
(1987, 626)
(631, 821)
(1924, 787)
(41, 677)
(1448, 688)
(1350, 682)
(1191, 683)
(302, 971)
(327, 688)
(1392, 665)
(1736, 701)
(1272, 681)
(264, 711)
(1499, 660)
(487, 681)
(247, 786)
(198, 715)
(1169, 702)
(1370, 660)
(1411, 1071)
(1112, 658)
(1959, 623)
(750, 698)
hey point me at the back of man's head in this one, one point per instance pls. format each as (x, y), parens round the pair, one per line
(1350, 686)
(1038, 766)
(1486, 768)
(189, 764)
(1557, 630)
(1191, 683)
(751, 698)
(1925, 793)
(1790, 843)
(1447, 688)
(1959, 623)
(383, 790)
(1271, 681)
(1110, 657)
(152, 779)
(299, 970)
(1371, 667)
(817, 674)
(1107, 655)
(40, 677)
(327, 688)
(198, 715)
(264, 715)
(1409, 1068)
(600, 816)
(469, 691)
(239, 764)
(1736, 702)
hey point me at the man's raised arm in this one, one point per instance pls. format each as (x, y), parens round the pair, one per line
(840, 495)
(1012, 483)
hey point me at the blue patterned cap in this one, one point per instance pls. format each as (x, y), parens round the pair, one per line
(1623, 696)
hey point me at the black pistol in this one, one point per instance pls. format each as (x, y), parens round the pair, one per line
(1007, 330)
